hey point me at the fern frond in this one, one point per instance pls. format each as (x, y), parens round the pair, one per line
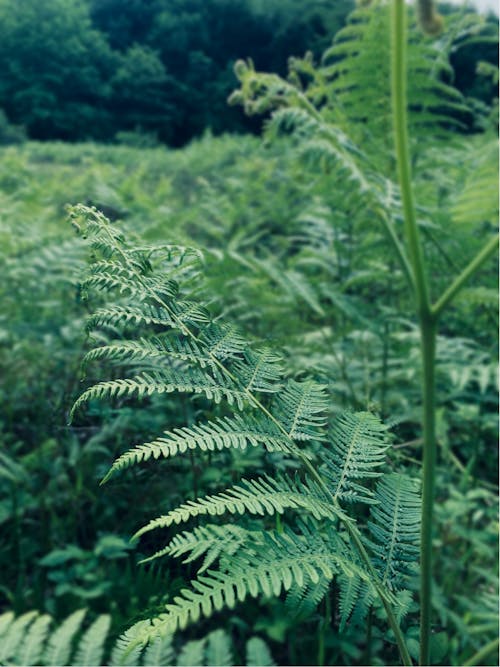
(120, 654)
(13, 638)
(192, 653)
(223, 341)
(193, 381)
(302, 601)
(477, 200)
(239, 432)
(119, 316)
(6, 620)
(218, 651)
(260, 496)
(31, 646)
(152, 350)
(395, 528)
(301, 409)
(59, 645)
(258, 654)
(91, 646)
(159, 652)
(260, 371)
(210, 541)
(350, 593)
(357, 448)
(281, 561)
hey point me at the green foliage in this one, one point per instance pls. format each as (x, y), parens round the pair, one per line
(32, 639)
(294, 259)
(262, 561)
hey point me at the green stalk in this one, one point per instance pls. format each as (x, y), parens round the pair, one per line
(426, 316)
(469, 270)
(479, 657)
(399, 103)
(428, 347)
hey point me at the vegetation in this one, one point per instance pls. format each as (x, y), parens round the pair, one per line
(145, 71)
(252, 328)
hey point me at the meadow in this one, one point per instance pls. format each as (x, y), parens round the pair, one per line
(257, 310)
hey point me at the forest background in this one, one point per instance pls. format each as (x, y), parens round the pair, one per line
(94, 69)
(123, 106)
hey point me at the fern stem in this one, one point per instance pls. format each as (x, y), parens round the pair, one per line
(399, 104)
(400, 251)
(350, 527)
(428, 344)
(469, 270)
(484, 652)
(426, 315)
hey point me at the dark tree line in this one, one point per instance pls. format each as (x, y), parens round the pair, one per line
(90, 69)
(77, 69)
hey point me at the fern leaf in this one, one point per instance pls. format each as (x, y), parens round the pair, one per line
(218, 651)
(159, 652)
(58, 649)
(91, 646)
(301, 409)
(358, 444)
(6, 620)
(258, 653)
(260, 371)
(15, 635)
(395, 528)
(154, 350)
(261, 496)
(301, 602)
(194, 381)
(282, 561)
(236, 432)
(33, 641)
(117, 316)
(267, 568)
(192, 653)
(120, 653)
(210, 541)
(350, 590)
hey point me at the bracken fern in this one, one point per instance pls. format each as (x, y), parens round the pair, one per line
(337, 458)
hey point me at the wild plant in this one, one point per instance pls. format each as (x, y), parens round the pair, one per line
(298, 111)
(167, 343)
(163, 341)
(32, 639)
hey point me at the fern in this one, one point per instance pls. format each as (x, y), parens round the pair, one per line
(259, 496)
(58, 649)
(257, 653)
(358, 446)
(29, 640)
(395, 526)
(284, 415)
(91, 646)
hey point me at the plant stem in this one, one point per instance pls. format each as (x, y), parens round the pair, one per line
(398, 94)
(428, 343)
(469, 270)
(478, 658)
(427, 318)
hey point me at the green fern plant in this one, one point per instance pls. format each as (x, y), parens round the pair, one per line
(182, 349)
(310, 114)
(35, 639)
